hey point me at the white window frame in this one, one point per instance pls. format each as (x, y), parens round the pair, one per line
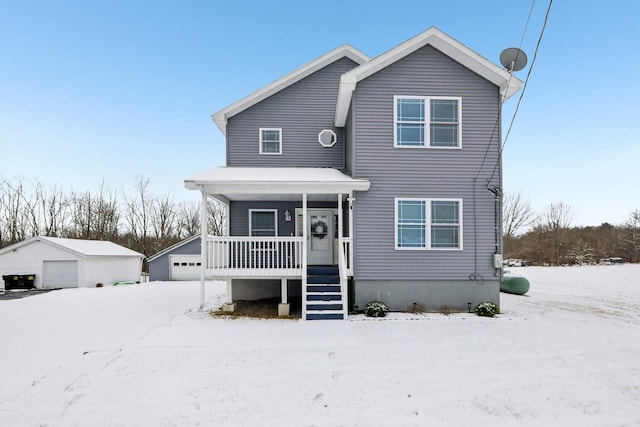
(427, 121)
(427, 224)
(275, 215)
(261, 141)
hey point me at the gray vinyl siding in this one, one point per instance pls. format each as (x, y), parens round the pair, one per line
(239, 215)
(349, 145)
(424, 172)
(302, 110)
(159, 268)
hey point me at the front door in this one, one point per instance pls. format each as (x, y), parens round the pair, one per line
(320, 235)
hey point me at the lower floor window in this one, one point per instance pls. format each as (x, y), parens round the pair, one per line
(428, 223)
(263, 222)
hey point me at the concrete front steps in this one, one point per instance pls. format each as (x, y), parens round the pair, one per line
(324, 297)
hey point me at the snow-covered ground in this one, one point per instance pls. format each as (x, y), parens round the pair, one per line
(567, 354)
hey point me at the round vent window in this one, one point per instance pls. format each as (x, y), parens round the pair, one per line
(327, 138)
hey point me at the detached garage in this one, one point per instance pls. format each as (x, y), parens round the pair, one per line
(181, 261)
(70, 263)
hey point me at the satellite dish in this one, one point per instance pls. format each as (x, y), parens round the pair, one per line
(513, 59)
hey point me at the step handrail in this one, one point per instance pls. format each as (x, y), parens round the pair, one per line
(342, 270)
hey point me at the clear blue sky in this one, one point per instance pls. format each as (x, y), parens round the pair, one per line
(93, 91)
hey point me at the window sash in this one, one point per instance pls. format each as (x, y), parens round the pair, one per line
(431, 122)
(263, 223)
(411, 220)
(428, 223)
(270, 141)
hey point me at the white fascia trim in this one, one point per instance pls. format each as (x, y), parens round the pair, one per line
(221, 117)
(261, 187)
(507, 83)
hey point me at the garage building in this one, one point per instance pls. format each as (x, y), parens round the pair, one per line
(181, 261)
(70, 263)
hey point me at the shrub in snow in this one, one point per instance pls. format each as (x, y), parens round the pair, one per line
(375, 309)
(487, 309)
(445, 310)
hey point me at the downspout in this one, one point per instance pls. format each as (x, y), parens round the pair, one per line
(497, 193)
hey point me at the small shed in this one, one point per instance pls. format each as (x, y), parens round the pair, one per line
(181, 261)
(70, 263)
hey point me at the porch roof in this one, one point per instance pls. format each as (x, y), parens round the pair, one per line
(256, 183)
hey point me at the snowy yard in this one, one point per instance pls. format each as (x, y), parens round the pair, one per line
(567, 354)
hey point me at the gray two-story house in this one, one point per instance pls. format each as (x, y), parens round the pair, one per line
(355, 179)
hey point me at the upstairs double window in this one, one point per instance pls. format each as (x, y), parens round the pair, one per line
(270, 141)
(423, 121)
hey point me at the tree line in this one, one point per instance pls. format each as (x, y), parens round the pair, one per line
(149, 223)
(548, 237)
(140, 220)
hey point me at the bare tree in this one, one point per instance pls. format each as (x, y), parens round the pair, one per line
(556, 219)
(516, 214)
(188, 219)
(13, 227)
(138, 215)
(94, 217)
(164, 222)
(106, 223)
(582, 252)
(632, 234)
(56, 211)
(217, 216)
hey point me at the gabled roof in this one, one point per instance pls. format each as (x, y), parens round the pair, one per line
(172, 247)
(252, 183)
(80, 247)
(220, 118)
(507, 83)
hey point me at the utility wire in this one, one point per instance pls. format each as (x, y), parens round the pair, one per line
(524, 88)
(495, 125)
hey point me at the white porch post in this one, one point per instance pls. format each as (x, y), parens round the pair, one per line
(340, 231)
(283, 290)
(304, 255)
(351, 199)
(304, 235)
(283, 307)
(229, 297)
(203, 243)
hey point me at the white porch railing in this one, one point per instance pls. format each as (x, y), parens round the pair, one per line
(241, 256)
(346, 247)
(342, 269)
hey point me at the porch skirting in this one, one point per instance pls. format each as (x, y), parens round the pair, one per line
(399, 295)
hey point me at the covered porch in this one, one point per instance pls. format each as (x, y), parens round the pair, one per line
(314, 243)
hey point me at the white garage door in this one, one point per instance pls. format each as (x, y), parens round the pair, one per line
(60, 274)
(185, 267)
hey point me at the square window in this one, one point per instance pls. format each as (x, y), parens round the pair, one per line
(270, 141)
(428, 224)
(427, 121)
(263, 223)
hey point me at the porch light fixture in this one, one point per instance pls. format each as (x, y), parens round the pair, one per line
(287, 215)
